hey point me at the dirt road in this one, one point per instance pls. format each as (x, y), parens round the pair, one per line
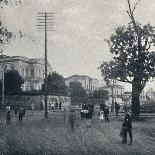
(38, 136)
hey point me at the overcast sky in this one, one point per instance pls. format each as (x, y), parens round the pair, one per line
(77, 44)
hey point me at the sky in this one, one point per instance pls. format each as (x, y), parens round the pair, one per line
(77, 44)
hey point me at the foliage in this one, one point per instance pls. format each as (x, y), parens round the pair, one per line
(134, 59)
(100, 93)
(76, 89)
(129, 62)
(5, 35)
(55, 84)
(13, 2)
(12, 82)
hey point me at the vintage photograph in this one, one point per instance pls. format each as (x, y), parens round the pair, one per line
(77, 77)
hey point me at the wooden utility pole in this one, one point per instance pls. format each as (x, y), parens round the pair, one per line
(3, 94)
(45, 24)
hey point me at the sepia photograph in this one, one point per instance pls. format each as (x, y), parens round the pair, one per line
(77, 77)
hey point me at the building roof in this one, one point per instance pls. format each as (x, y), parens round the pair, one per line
(5, 58)
(79, 76)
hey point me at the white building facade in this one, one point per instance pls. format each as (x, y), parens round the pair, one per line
(31, 70)
(89, 84)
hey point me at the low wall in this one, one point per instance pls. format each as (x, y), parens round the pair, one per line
(36, 101)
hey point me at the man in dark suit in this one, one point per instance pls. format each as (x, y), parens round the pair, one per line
(127, 125)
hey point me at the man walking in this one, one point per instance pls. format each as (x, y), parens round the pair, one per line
(106, 113)
(20, 115)
(117, 107)
(127, 125)
(72, 119)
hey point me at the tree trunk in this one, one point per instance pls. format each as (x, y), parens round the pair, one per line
(135, 107)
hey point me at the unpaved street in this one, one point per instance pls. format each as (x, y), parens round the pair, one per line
(38, 136)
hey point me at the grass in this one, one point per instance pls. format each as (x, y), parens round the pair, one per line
(37, 136)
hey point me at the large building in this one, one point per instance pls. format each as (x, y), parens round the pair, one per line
(31, 70)
(89, 84)
(115, 92)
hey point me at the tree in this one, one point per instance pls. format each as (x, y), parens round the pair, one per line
(134, 60)
(5, 35)
(100, 93)
(76, 89)
(12, 82)
(13, 2)
(55, 84)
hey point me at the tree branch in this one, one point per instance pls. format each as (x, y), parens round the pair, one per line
(124, 80)
(135, 6)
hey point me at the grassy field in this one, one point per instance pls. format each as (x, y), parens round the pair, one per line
(52, 137)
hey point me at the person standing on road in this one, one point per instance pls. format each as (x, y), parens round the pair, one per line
(64, 116)
(102, 106)
(106, 113)
(89, 115)
(20, 115)
(72, 119)
(127, 126)
(8, 117)
(60, 105)
(117, 107)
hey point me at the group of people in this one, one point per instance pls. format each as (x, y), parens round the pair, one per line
(87, 111)
(104, 112)
(21, 114)
(56, 105)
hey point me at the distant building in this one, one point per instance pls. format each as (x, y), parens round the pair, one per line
(150, 95)
(31, 70)
(116, 92)
(89, 84)
(127, 97)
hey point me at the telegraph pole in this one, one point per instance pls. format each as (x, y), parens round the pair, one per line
(3, 95)
(45, 24)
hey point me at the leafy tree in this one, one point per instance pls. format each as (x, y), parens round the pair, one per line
(55, 84)
(13, 2)
(134, 60)
(76, 89)
(100, 93)
(12, 82)
(5, 35)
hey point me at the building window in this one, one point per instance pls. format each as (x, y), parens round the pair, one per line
(32, 73)
(22, 71)
(27, 72)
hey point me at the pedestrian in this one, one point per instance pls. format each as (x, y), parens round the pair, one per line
(101, 115)
(127, 126)
(56, 105)
(72, 119)
(106, 113)
(84, 111)
(64, 115)
(102, 106)
(60, 105)
(20, 115)
(52, 106)
(117, 107)
(8, 117)
(89, 115)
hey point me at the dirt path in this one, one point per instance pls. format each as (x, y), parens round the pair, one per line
(38, 136)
